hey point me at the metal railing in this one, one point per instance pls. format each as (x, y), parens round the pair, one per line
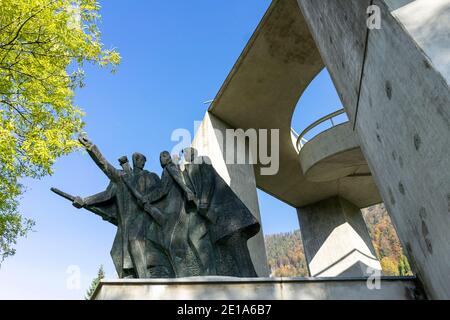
(301, 137)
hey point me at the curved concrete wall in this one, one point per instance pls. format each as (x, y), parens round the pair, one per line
(332, 154)
(262, 91)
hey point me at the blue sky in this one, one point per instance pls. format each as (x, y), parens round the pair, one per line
(176, 54)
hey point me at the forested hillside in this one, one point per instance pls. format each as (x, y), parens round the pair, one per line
(286, 256)
(385, 241)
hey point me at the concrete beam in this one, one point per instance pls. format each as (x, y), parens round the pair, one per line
(336, 240)
(428, 23)
(262, 91)
(402, 118)
(395, 4)
(347, 38)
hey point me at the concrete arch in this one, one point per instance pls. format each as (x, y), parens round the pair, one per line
(262, 91)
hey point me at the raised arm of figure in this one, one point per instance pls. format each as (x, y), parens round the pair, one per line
(111, 172)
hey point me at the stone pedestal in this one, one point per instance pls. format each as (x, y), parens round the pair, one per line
(336, 240)
(226, 288)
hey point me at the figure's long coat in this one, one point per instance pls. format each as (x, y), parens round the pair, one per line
(227, 220)
(118, 206)
(170, 199)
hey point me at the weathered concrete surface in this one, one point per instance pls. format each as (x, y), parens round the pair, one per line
(336, 240)
(348, 38)
(261, 92)
(395, 4)
(220, 288)
(275, 67)
(428, 23)
(403, 123)
(240, 177)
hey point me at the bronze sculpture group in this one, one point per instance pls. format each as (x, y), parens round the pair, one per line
(186, 223)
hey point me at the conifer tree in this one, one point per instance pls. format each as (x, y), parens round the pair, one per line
(95, 282)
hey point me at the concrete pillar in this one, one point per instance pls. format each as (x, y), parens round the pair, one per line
(394, 84)
(336, 240)
(209, 141)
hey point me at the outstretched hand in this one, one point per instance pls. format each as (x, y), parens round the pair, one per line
(78, 203)
(85, 141)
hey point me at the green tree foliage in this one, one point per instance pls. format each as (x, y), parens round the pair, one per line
(404, 268)
(95, 282)
(43, 46)
(286, 256)
(389, 266)
(385, 241)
